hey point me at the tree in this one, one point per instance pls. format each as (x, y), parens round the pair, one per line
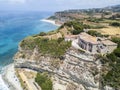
(112, 57)
(116, 40)
(117, 52)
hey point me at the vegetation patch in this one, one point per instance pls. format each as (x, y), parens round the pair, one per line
(42, 34)
(44, 81)
(112, 62)
(115, 24)
(55, 48)
(96, 20)
(116, 40)
(77, 26)
(94, 33)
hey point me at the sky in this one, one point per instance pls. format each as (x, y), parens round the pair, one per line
(54, 5)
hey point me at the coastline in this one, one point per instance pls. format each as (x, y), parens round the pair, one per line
(10, 79)
(50, 21)
(8, 76)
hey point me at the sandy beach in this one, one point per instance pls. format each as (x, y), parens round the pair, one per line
(10, 78)
(50, 21)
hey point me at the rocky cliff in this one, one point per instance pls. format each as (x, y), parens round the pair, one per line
(79, 74)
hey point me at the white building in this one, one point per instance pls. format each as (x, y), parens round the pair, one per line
(95, 44)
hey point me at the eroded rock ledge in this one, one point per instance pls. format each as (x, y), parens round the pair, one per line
(83, 75)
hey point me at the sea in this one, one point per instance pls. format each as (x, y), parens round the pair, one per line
(15, 26)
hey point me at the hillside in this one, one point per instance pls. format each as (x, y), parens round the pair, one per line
(89, 15)
(67, 67)
(104, 20)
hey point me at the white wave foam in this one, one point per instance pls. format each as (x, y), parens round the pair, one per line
(50, 21)
(2, 84)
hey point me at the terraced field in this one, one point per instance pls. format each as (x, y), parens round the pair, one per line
(110, 31)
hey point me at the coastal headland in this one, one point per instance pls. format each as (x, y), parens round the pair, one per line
(59, 60)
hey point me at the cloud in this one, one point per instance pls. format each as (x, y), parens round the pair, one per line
(17, 1)
(13, 1)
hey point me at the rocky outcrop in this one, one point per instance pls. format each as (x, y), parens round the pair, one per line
(85, 75)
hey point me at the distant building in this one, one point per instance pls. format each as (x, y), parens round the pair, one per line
(95, 44)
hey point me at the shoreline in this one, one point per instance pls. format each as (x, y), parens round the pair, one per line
(10, 79)
(8, 76)
(50, 21)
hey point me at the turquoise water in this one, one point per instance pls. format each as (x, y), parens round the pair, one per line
(16, 26)
(13, 28)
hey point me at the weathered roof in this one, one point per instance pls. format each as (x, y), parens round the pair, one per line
(108, 42)
(88, 38)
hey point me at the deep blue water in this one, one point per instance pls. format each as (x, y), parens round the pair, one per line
(16, 26)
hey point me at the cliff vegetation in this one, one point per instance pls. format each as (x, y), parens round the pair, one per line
(54, 48)
(44, 81)
(111, 67)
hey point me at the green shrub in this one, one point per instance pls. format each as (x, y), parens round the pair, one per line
(117, 52)
(55, 48)
(60, 40)
(77, 26)
(94, 33)
(116, 24)
(28, 43)
(75, 32)
(44, 81)
(94, 20)
(116, 40)
(112, 77)
(111, 57)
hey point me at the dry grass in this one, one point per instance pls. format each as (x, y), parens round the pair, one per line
(109, 31)
(54, 36)
(65, 31)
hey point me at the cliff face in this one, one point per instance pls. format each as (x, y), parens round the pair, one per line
(78, 73)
